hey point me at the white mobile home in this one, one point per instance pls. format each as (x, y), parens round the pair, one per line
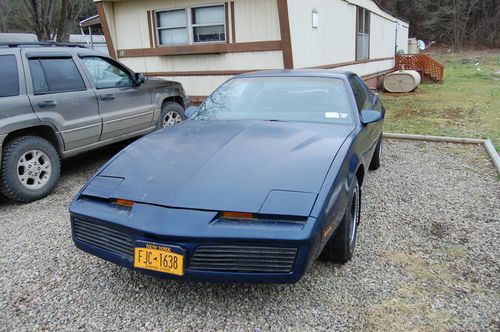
(202, 43)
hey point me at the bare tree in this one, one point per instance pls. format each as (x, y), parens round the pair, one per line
(52, 18)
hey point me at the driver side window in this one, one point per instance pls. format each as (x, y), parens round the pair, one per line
(105, 74)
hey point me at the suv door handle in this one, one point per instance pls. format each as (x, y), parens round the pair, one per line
(47, 103)
(108, 97)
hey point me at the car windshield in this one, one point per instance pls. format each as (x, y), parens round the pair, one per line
(310, 99)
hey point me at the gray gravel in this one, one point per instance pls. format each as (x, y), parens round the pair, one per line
(427, 259)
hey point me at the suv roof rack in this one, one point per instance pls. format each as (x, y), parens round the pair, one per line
(42, 44)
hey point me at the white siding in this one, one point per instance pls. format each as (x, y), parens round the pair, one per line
(382, 37)
(334, 40)
(256, 20)
(199, 85)
(403, 38)
(225, 61)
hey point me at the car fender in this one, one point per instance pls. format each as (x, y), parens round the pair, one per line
(331, 203)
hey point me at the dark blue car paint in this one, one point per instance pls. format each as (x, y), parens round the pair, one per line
(160, 218)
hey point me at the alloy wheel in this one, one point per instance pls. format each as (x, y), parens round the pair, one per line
(34, 169)
(171, 118)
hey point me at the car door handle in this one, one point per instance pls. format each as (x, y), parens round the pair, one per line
(47, 103)
(108, 97)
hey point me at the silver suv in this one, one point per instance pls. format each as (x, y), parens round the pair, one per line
(57, 101)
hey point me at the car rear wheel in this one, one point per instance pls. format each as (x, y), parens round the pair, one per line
(171, 114)
(30, 169)
(340, 247)
(377, 155)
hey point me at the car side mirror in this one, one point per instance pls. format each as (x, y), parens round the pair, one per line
(139, 78)
(190, 111)
(370, 116)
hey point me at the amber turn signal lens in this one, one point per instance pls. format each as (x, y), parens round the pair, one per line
(124, 202)
(238, 215)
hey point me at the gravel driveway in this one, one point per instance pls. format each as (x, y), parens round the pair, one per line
(427, 259)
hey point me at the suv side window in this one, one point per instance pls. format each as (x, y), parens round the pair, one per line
(51, 75)
(360, 93)
(106, 74)
(9, 82)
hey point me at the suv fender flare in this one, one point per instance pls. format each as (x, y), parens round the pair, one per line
(40, 128)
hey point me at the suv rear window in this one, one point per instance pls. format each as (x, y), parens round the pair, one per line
(55, 75)
(9, 82)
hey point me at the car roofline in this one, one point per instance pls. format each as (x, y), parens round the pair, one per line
(329, 73)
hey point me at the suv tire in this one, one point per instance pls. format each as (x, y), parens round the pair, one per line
(171, 114)
(30, 169)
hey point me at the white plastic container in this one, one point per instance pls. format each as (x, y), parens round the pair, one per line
(412, 46)
(402, 81)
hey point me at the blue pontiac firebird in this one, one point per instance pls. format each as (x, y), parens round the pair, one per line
(265, 177)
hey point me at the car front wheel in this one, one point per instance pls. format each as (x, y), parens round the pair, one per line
(377, 155)
(30, 169)
(340, 247)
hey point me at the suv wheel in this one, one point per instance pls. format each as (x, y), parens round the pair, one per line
(171, 114)
(30, 169)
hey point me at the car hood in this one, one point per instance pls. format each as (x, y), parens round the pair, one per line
(155, 82)
(248, 166)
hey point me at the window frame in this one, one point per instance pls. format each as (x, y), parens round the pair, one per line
(362, 20)
(158, 28)
(111, 62)
(189, 10)
(18, 72)
(224, 23)
(368, 102)
(48, 92)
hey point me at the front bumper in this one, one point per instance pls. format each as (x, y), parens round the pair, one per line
(269, 253)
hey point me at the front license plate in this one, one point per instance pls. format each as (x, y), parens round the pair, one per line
(160, 258)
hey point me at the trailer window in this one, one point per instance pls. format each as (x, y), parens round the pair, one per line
(9, 84)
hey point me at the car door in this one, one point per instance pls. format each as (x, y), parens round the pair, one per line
(60, 95)
(125, 106)
(370, 133)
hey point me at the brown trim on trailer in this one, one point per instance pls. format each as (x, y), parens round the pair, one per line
(348, 63)
(226, 13)
(200, 73)
(369, 32)
(197, 100)
(105, 29)
(286, 41)
(376, 81)
(150, 29)
(356, 27)
(272, 45)
(233, 24)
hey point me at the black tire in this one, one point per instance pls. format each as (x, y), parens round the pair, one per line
(170, 108)
(377, 155)
(340, 247)
(10, 183)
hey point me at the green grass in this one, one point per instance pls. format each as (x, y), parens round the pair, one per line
(466, 104)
